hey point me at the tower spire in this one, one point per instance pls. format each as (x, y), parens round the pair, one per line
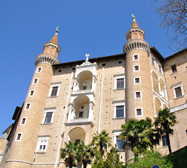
(50, 51)
(135, 37)
(55, 37)
(135, 32)
(134, 23)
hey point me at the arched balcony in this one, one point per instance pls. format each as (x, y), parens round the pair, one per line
(82, 98)
(76, 135)
(81, 110)
(84, 82)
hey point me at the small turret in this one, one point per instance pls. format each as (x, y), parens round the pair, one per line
(52, 47)
(51, 51)
(135, 37)
(135, 32)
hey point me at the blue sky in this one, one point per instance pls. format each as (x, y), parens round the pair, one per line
(97, 27)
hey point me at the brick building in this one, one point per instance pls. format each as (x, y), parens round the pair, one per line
(71, 101)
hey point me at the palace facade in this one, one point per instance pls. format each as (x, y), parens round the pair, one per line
(71, 101)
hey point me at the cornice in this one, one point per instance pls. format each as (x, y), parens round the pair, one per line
(136, 44)
(58, 49)
(46, 58)
(128, 34)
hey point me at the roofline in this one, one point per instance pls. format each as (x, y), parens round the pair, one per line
(16, 112)
(91, 60)
(173, 55)
(156, 52)
(7, 130)
(153, 50)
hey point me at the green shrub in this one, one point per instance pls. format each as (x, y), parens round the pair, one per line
(150, 159)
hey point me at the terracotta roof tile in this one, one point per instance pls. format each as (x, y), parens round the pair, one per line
(54, 39)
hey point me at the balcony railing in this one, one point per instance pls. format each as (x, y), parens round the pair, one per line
(83, 91)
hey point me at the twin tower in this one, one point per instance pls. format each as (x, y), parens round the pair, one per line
(37, 145)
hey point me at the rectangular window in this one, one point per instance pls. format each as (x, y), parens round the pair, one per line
(31, 93)
(174, 68)
(160, 68)
(27, 106)
(164, 141)
(39, 70)
(119, 111)
(136, 68)
(54, 91)
(138, 95)
(42, 144)
(135, 57)
(18, 137)
(78, 141)
(48, 117)
(120, 83)
(138, 112)
(153, 61)
(84, 88)
(23, 121)
(178, 91)
(119, 143)
(42, 147)
(35, 80)
(80, 114)
(137, 80)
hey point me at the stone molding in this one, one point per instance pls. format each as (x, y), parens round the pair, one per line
(178, 108)
(79, 123)
(22, 161)
(136, 44)
(58, 49)
(46, 58)
(128, 34)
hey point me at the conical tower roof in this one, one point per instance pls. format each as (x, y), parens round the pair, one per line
(55, 37)
(140, 34)
(134, 24)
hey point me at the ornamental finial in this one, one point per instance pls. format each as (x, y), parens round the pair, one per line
(133, 17)
(87, 55)
(57, 30)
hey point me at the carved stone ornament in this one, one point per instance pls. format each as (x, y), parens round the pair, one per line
(136, 44)
(48, 59)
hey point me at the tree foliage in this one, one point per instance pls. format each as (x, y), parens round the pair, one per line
(163, 123)
(100, 141)
(150, 159)
(173, 15)
(85, 154)
(136, 135)
(112, 160)
(69, 153)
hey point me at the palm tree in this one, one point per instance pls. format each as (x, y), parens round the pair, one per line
(113, 159)
(101, 141)
(69, 153)
(163, 122)
(135, 134)
(85, 154)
